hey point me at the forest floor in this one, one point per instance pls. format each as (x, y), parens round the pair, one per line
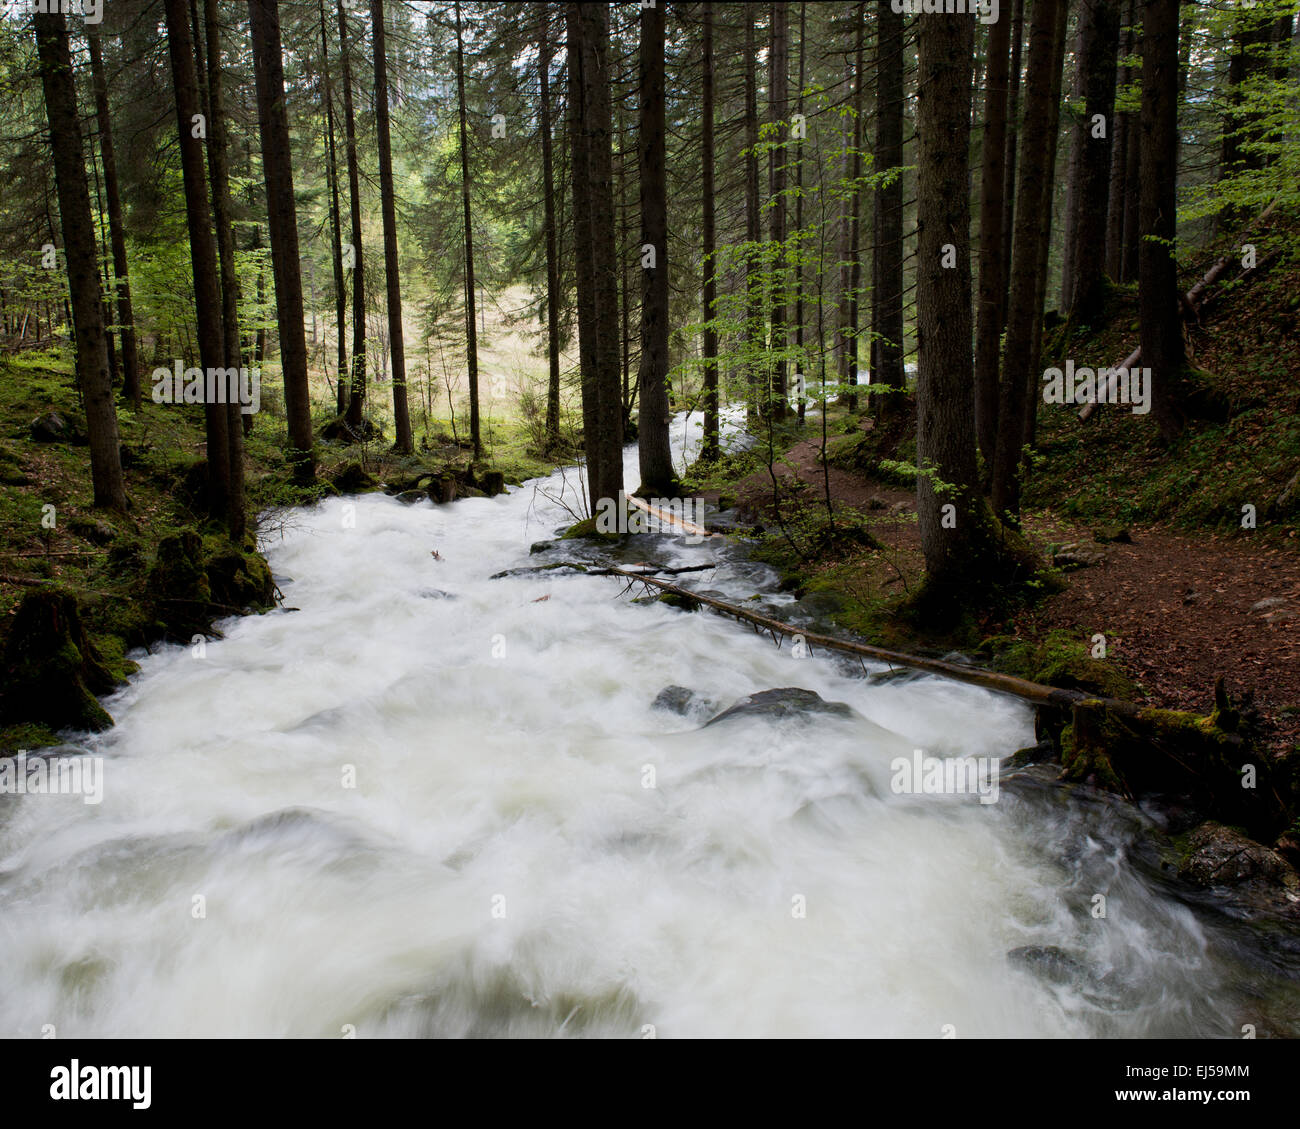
(1177, 609)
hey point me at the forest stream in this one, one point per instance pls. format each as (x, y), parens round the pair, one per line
(422, 801)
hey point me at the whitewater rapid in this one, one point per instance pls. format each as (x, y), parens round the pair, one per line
(418, 805)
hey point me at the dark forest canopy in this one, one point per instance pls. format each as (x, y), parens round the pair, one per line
(577, 220)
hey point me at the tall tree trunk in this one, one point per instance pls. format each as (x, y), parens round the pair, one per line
(956, 533)
(849, 357)
(471, 329)
(116, 228)
(1033, 368)
(79, 250)
(357, 384)
(1118, 191)
(1133, 163)
(593, 191)
(656, 459)
(203, 251)
(991, 265)
(552, 252)
(798, 209)
(1161, 324)
(219, 173)
(887, 304)
(1013, 136)
(583, 241)
(754, 327)
(1027, 288)
(1078, 137)
(710, 447)
(336, 221)
(282, 218)
(404, 441)
(1100, 22)
(779, 58)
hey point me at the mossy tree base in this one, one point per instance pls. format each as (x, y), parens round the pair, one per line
(52, 669)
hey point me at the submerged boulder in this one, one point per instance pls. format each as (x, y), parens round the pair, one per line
(783, 704)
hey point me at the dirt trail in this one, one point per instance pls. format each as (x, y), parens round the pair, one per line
(1177, 610)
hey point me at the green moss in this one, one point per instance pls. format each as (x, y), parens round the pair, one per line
(586, 528)
(25, 736)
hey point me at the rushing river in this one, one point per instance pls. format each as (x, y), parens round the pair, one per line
(428, 802)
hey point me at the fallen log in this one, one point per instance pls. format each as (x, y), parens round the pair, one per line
(1108, 743)
(1188, 303)
(1034, 692)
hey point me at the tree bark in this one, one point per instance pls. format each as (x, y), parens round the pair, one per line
(1118, 191)
(654, 452)
(1161, 324)
(849, 373)
(336, 221)
(1025, 301)
(83, 270)
(779, 66)
(357, 383)
(552, 253)
(588, 33)
(1100, 34)
(1013, 135)
(219, 173)
(404, 442)
(991, 266)
(116, 227)
(203, 251)
(754, 328)
(710, 447)
(951, 514)
(282, 219)
(887, 302)
(471, 329)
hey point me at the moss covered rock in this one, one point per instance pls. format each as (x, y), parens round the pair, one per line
(52, 668)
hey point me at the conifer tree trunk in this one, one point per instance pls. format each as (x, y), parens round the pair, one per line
(1158, 295)
(336, 221)
(849, 356)
(992, 268)
(710, 447)
(655, 454)
(357, 384)
(887, 304)
(193, 126)
(595, 246)
(219, 174)
(1100, 35)
(754, 323)
(404, 441)
(116, 227)
(955, 527)
(79, 250)
(1024, 308)
(282, 217)
(779, 66)
(471, 329)
(552, 252)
